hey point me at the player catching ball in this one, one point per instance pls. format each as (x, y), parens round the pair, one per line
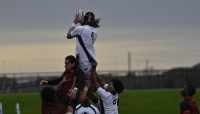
(86, 35)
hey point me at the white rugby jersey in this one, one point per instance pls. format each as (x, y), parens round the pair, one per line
(85, 38)
(108, 101)
(86, 110)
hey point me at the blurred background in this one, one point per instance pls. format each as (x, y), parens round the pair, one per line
(147, 43)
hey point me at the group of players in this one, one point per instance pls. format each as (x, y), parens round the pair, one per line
(80, 83)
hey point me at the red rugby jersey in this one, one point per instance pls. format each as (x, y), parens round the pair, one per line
(54, 107)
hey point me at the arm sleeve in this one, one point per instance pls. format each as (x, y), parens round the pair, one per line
(77, 31)
(56, 81)
(103, 93)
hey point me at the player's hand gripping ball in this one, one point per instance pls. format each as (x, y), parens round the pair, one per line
(80, 14)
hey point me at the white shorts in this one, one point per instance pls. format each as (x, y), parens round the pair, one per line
(85, 68)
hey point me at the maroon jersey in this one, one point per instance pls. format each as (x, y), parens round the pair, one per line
(69, 76)
(189, 105)
(54, 107)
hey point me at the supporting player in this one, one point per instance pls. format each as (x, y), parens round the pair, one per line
(109, 94)
(67, 85)
(86, 108)
(86, 35)
(50, 104)
(188, 105)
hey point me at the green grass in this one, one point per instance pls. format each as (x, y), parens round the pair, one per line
(29, 103)
(131, 102)
(152, 102)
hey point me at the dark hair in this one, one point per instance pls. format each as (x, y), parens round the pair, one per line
(118, 85)
(71, 58)
(86, 102)
(89, 19)
(47, 94)
(191, 90)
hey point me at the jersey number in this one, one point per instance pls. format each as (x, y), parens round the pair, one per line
(92, 35)
(114, 102)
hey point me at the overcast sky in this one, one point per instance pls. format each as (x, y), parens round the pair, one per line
(163, 32)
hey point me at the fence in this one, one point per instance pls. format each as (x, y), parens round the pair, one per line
(140, 79)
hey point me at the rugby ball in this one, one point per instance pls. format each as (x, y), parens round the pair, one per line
(80, 13)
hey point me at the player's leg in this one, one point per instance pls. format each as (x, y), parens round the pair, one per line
(87, 73)
(87, 86)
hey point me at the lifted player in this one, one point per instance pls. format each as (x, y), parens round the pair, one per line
(86, 35)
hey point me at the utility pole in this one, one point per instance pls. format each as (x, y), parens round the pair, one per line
(129, 62)
(146, 64)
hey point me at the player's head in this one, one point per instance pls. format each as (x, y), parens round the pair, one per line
(89, 16)
(47, 94)
(89, 19)
(116, 85)
(86, 102)
(188, 90)
(70, 62)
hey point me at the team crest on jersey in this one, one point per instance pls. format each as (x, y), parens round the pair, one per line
(85, 69)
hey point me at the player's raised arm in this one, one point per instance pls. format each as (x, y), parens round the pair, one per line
(76, 20)
(100, 80)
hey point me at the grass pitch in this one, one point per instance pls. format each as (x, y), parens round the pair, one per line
(131, 102)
